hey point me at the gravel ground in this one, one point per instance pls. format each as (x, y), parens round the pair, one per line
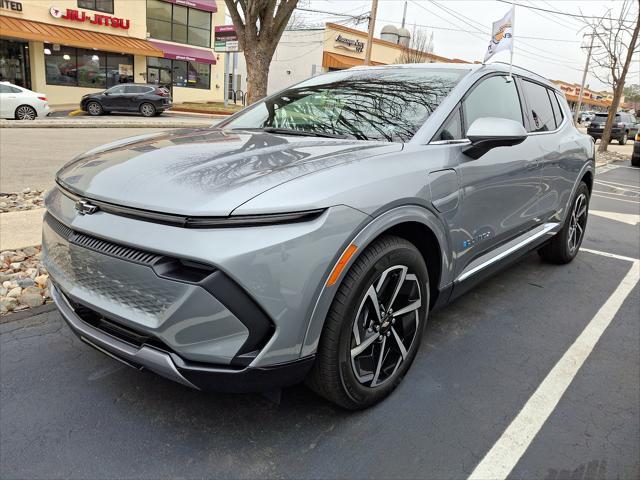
(610, 156)
(28, 199)
(23, 279)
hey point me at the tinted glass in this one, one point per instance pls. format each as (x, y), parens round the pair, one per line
(5, 89)
(198, 75)
(179, 73)
(159, 10)
(179, 33)
(389, 104)
(180, 14)
(557, 114)
(159, 29)
(99, 5)
(452, 129)
(494, 97)
(119, 69)
(199, 36)
(200, 19)
(117, 90)
(540, 111)
(91, 69)
(60, 65)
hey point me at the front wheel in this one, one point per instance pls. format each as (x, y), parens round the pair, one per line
(147, 110)
(564, 246)
(94, 109)
(374, 326)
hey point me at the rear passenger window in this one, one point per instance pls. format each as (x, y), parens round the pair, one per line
(555, 106)
(540, 110)
(494, 97)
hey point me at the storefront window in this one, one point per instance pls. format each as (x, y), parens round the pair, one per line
(166, 21)
(91, 69)
(60, 65)
(86, 68)
(14, 63)
(178, 73)
(98, 5)
(119, 69)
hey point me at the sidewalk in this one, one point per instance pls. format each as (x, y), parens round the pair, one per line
(192, 121)
(21, 229)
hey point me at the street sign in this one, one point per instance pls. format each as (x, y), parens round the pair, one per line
(225, 39)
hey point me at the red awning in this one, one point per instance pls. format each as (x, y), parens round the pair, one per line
(178, 52)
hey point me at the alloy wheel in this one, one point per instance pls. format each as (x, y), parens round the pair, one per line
(147, 110)
(385, 326)
(577, 223)
(25, 112)
(94, 108)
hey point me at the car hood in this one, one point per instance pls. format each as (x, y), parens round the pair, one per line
(207, 172)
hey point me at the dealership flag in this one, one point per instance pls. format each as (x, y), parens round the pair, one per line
(501, 35)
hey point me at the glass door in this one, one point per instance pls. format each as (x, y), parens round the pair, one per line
(14, 63)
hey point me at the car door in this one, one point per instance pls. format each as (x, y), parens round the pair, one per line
(114, 98)
(9, 100)
(498, 191)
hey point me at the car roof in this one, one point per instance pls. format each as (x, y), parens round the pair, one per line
(501, 67)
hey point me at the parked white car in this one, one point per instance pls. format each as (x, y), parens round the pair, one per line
(21, 103)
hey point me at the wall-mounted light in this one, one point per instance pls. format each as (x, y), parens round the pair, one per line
(47, 51)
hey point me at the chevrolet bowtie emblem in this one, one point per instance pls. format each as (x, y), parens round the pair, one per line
(85, 208)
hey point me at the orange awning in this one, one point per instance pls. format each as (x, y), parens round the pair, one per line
(28, 30)
(335, 60)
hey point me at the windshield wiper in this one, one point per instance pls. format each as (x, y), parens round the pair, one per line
(290, 131)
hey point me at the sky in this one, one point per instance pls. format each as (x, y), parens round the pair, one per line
(556, 52)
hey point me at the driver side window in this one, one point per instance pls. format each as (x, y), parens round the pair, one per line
(116, 90)
(496, 96)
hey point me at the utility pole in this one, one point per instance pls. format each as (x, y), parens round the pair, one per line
(404, 14)
(372, 26)
(584, 78)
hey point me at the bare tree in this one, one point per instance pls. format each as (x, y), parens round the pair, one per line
(616, 42)
(259, 24)
(419, 49)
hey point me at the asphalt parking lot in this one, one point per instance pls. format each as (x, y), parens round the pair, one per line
(485, 394)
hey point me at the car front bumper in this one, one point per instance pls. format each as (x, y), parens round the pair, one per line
(198, 295)
(173, 367)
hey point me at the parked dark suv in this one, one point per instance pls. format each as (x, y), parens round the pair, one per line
(624, 127)
(149, 100)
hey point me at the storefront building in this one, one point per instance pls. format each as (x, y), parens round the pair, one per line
(67, 48)
(302, 54)
(591, 99)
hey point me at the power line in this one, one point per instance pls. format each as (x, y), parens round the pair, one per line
(557, 12)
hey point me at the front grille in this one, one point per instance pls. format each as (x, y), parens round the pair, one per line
(101, 246)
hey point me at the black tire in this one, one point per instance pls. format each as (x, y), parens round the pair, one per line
(635, 161)
(560, 249)
(94, 109)
(334, 373)
(147, 110)
(25, 112)
(623, 139)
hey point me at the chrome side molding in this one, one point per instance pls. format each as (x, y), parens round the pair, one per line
(505, 250)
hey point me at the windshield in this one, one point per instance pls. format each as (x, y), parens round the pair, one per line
(364, 104)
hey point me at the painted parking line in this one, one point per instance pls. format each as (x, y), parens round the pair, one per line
(614, 198)
(617, 185)
(513, 443)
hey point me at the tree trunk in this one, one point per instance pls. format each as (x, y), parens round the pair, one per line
(617, 93)
(257, 74)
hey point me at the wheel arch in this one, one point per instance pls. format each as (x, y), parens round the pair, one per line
(588, 179)
(414, 223)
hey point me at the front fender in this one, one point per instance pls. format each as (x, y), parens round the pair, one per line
(366, 235)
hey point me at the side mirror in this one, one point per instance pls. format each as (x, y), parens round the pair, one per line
(106, 92)
(491, 132)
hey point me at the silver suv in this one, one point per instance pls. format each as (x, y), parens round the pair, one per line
(308, 236)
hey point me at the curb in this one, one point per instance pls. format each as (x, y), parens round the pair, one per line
(104, 124)
(203, 111)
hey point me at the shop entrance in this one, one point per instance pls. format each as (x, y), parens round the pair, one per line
(14, 63)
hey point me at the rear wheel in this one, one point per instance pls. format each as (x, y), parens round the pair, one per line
(374, 326)
(94, 108)
(147, 110)
(623, 139)
(25, 112)
(564, 246)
